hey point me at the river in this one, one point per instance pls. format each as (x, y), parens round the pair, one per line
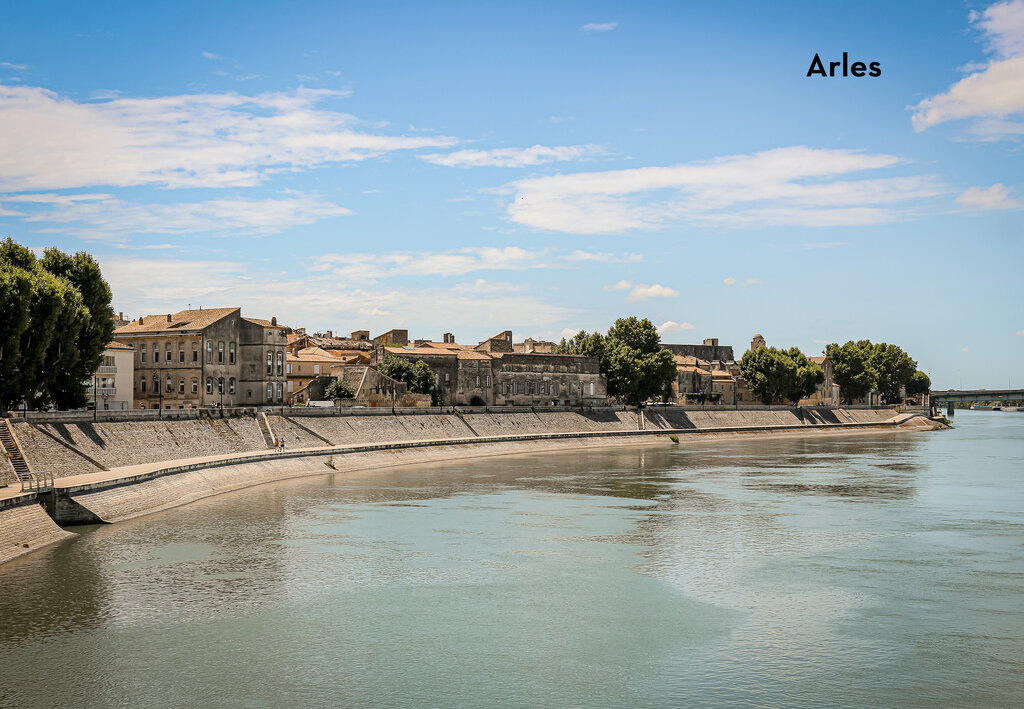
(882, 569)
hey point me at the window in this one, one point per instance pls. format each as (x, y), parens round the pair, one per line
(209, 352)
(209, 385)
(156, 353)
(220, 353)
(231, 353)
(291, 386)
(289, 368)
(142, 386)
(316, 369)
(181, 356)
(270, 363)
(591, 388)
(195, 385)
(195, 353)
(270, 392)
(220, 385)
(447, 377)
(280, 391)
(231, 385)
(142, 353)
(280, 363)
(181, 386)
(169, 386)
(554, 388)
(167, 357)
(487, 380)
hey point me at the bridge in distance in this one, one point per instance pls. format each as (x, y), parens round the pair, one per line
(971, 395)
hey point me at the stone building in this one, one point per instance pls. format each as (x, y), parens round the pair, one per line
(493, 373)
(203, 358)
(710, 351)
(112, 386)
(827, 393)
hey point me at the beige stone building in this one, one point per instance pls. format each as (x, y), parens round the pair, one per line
(112, 386)
(206, 358)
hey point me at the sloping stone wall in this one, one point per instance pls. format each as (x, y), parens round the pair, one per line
(26, 527)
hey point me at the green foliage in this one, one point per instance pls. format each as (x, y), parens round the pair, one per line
(417, 375)
(770, 373)
(893, 369)
(920, 383)
(809, 376)
(57, 322)
(339, 389)
(851, 368)
(631, 358)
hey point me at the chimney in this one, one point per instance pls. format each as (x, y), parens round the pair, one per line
(449, 338)
(140, 321)
(273, 321)
(168, 317)
(329, 334)
(120, 316)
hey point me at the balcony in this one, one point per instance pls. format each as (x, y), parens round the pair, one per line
(100, 391)
(106, 369)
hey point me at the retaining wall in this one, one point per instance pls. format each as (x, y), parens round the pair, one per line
(25, 527)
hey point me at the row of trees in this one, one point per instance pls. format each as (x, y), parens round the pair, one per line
(56, 321)
(858, 367)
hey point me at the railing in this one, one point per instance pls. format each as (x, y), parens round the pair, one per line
(36, 482)
(101, 391)
(106, 369)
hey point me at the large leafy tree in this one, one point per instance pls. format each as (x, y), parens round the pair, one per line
(771, 373)
(893, 369)
(852, 368)
(56, 322)
(339, 389)
(809, 376)
(920, 383)
(630, 357)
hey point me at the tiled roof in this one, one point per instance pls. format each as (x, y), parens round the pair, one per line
(433, 352)
(818, 360)
(115, 345)
(181, 320)
(264, 323)
(312, 354)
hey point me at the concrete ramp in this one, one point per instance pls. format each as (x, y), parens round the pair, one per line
(26, 527)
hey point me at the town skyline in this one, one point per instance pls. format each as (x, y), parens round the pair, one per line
(544, 171)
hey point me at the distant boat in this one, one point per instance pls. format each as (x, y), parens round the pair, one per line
(1011, 408)
(979, 407)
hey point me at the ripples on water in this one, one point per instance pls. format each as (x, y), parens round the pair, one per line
(871, 570)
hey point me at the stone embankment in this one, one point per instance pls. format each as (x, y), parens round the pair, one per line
(114, 470)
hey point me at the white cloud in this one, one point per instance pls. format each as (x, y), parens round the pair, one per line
(672, 326)
(145, 285)
(642, 291)
(1003, 25)
(752, 282)
(996, 91)
(599, 26)
(513, 157)
(1020, 332)
(621, 285)
(15, 67)
(994, 197)
(820, 342)
(784, 186)
(196, 140)
(729, 280)
(965, 349)
(211, 55)
(604, 257)
(367, 267)
(103, 216)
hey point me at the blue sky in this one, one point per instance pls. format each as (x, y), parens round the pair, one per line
(539, 167)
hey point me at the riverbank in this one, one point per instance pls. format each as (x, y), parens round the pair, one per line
(101, 494)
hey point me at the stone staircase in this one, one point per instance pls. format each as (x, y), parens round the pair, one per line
(267, 433)
(13, 452)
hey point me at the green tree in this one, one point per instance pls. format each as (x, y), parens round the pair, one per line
(893, 369)
(851, 368)
(417, 375)
(57, 322)
(809, 376)
(339, 389)
(770, 373)
(630, 357)
(920, 383)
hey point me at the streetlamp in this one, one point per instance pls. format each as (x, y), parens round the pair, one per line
(220, 388)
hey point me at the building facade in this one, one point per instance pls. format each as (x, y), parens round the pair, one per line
(112, 386)
(206, 358)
